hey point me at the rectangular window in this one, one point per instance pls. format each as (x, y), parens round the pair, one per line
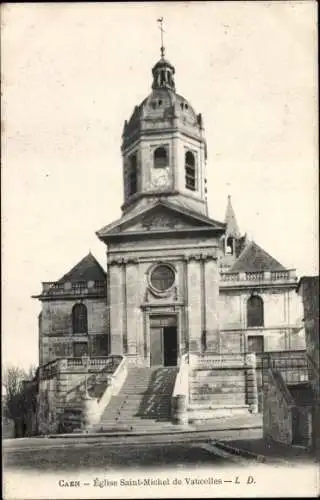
(80, 349)
(255, 343)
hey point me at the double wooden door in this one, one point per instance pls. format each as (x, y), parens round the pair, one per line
(163, 340)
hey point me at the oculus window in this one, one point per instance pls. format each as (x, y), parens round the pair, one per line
(162, 278)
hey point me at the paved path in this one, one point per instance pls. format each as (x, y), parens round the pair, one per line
(272, 450)
(51, 455)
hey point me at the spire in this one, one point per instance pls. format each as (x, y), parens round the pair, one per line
(232, 228)
(162, 49)
(163, 71)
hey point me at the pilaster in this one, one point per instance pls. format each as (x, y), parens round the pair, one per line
(116, 277)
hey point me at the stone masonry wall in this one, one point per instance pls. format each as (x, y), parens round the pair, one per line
(56, 337)
(281, 308)
(277, 413)
(282, 312)
(219, 386)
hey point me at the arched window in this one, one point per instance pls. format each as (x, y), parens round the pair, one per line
(229, 246)
(255, 311)
(190, 171)
(79, 319)
(160, 157)
(133, 175)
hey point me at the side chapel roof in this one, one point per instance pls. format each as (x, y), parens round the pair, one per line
(88, 269)
(254, 258)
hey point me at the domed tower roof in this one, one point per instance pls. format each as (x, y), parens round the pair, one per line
(163, 104)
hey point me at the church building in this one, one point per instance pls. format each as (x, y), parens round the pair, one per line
(177, 280)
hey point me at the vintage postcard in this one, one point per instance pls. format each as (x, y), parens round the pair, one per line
(160, 334)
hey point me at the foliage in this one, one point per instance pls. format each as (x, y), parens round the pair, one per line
(13, 383)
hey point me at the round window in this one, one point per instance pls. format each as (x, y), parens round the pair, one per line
(162, 278)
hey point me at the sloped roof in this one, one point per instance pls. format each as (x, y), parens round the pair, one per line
(254, 258)
(88, 269)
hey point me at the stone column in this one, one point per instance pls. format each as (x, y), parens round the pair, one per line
(251, 382)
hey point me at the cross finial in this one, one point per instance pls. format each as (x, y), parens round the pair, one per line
(160, 21)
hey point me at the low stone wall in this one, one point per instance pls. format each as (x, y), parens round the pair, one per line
(224, 380)
(277, 411)
(218, 386)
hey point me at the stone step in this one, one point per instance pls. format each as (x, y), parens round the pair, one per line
(145, 396)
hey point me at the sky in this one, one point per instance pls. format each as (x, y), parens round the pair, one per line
(71, 76)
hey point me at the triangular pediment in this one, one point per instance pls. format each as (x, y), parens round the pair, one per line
(161, 217)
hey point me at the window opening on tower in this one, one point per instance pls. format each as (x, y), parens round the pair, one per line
(190, 171)
(133, 175)
(160, 157)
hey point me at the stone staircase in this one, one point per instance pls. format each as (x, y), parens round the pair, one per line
(143, 403)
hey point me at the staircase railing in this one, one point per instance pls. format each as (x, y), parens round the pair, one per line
(93, 407)
(92, 377)
(180, 395)
(293, 365)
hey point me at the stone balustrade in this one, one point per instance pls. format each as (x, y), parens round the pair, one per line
(261, 277)
(212, 360)
(80, 365)
(51, 288)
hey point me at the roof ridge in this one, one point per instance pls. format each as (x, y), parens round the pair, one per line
(88, 265)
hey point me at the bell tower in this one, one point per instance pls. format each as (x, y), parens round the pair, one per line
(163, 147)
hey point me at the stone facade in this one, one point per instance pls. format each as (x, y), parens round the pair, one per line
(177, 281)
(134, 301)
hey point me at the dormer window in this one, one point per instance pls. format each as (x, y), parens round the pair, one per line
(133, 175)
(160, 157)
(190, 171)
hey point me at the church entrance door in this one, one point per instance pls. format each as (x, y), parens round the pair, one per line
(163, 340)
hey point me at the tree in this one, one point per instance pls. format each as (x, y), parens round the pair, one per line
(14, 394)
